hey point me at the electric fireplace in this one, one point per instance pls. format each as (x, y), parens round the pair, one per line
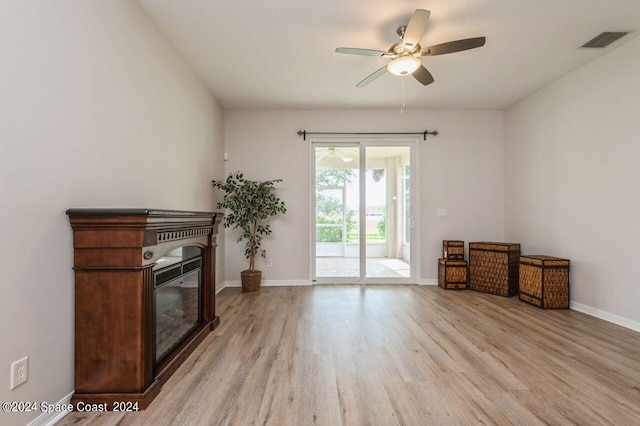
(144, 298)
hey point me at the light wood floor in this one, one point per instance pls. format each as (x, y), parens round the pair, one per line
(402, 354)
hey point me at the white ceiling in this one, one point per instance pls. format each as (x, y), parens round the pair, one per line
(280, 53)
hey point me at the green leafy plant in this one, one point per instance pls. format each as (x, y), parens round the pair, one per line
(382, 224)
(251, 204)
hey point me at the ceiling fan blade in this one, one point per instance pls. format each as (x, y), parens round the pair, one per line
(415, 28)
(372, 77)
(453, 46)
(344, 158)
(362, 52)
(423, 75)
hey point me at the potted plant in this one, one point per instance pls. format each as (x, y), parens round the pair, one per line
(251, 203)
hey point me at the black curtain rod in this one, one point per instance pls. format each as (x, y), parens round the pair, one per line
(424, 134)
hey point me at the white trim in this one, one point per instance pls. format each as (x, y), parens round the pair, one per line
(312, 208)
(362, 210)
(428, 281)
(266, 283)
(272, 283)
(415, 243)
(389, 281)
(604, 315)
(338, 280)
(50, 419)
(221, 286)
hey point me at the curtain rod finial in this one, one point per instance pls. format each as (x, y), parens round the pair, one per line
(426, 132)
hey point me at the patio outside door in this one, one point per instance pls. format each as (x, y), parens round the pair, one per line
(363, 219)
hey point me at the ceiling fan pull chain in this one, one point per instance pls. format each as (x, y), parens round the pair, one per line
(402, 94)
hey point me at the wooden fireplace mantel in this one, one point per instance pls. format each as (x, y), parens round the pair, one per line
(115, 251)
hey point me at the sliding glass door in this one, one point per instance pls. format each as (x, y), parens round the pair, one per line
(387, 212)
(363, 215)
(337, 211)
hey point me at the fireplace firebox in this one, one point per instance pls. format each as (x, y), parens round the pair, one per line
(144, 298)
(177, 279)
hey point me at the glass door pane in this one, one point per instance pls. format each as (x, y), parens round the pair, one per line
(387, 211)
(337, 211)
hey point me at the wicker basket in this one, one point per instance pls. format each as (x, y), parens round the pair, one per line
(251, 280)
(544, 281)
(453, 249)
(452, 274)
(493, 268)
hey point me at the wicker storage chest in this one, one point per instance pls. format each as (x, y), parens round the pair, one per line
(453, 249)
(493, 268)
(452, 274)
(544, 281)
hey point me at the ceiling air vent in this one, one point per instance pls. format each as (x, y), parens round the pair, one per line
(604, 39)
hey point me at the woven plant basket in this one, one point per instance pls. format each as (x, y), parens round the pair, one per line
(250, 280)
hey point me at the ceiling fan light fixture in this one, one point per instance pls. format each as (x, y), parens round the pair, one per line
(404, 65)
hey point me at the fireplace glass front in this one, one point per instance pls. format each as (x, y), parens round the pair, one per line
(177, 298)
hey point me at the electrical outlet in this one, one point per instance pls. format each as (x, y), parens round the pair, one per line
(19, 372)
(442, 212)
(269, 263)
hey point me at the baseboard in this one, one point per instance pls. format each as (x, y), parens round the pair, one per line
(296, 283)
(270, 283)
(221, 286)
(607, 316)
(50, 419)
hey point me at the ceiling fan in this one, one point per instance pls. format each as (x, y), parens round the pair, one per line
(405, 55)
(344, 154)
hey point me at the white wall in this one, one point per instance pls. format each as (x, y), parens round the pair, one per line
(571, 176)
(460, 170)
(97, 110)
